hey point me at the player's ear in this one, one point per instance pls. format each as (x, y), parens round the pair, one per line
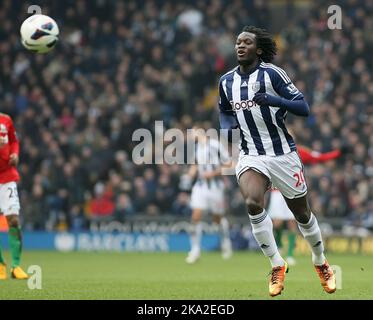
(259, 51)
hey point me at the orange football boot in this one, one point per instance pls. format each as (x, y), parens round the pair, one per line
(327, 277)
(276, 283)
(18, 273)
(3, 271)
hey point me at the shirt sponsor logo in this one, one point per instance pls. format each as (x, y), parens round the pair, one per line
(242, 105)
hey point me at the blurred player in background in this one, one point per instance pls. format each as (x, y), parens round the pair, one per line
(278, 210)
(9, 202)
(207, 193)
(255, 97)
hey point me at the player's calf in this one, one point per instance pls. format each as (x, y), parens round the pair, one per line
(15, 245)
(226, 249)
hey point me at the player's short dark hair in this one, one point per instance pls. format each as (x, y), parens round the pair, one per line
(264, 41)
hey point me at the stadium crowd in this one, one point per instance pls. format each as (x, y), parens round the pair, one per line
(120, 66)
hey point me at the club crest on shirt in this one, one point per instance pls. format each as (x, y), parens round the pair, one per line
(3, 129)
(256, 86)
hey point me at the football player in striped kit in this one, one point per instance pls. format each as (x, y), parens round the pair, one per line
(208, 192)
(255, 97)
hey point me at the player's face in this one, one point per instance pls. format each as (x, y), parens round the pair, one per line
(246, 48)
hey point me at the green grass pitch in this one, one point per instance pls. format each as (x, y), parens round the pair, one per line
(166, 276)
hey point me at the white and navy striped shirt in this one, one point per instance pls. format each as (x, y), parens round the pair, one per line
(262, 128)
(210, 156)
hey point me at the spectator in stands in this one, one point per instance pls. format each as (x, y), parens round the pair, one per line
(101, 206)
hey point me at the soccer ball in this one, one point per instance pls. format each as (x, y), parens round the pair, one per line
(39, 33)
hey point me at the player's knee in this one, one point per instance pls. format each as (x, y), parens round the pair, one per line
(216, 219)
(302, 216)
(13, 221)
(196, 217)
(254, 205)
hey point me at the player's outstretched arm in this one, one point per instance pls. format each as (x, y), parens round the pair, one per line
(298, 107)
(288, 96)
(13, 140)
(14, 145)
(313, 157)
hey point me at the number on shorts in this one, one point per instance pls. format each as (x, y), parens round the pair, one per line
(300, 178)
(12, 193)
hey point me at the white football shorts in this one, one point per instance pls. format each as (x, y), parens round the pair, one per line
(208, 199)
(9, 201)
(285, 172)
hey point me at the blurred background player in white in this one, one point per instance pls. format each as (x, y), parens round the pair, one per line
(207, 193)
(278, 210)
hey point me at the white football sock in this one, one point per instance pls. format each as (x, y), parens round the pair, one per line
(263, 233)
(311, 232)
(196, 236)
(226, 245)
(224, 227)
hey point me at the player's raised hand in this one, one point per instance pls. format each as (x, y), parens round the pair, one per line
(13, 159)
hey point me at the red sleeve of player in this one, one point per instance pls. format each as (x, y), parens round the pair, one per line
(13, 140)
(312, 157)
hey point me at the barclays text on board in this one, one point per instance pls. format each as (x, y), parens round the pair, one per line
(163, 242)
(97, 241)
